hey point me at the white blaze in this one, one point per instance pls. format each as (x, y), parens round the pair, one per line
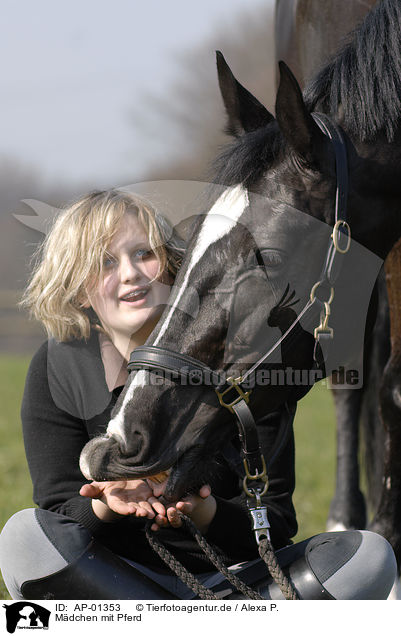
(219, 221)
(115, 426)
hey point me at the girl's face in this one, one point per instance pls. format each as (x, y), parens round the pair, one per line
(127, 300)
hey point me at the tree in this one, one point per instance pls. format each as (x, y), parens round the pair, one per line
(190, 118)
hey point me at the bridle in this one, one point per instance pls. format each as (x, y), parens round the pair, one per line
(234, 393)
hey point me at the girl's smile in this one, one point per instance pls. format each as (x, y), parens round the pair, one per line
(136, 296)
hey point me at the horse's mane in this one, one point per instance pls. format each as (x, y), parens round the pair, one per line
(364, 78)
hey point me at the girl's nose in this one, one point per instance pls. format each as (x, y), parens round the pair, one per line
(129, 271)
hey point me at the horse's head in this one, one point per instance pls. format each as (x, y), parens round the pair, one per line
(252, 263)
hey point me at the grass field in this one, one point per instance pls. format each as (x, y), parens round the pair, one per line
(314, 429)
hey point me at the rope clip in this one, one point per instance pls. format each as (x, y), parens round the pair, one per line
(324, 328)
(260, 521)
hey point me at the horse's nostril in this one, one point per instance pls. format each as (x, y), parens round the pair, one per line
(131, 447)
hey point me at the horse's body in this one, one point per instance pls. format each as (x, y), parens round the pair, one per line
(275, 166)
(307, 34)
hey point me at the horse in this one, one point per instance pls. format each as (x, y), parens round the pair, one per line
(307, 34)
(280, 179)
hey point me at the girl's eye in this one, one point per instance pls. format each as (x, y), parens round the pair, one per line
(108, 261)
(143, 254)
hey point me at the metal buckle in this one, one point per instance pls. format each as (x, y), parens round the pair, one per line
(336, 236)
(259, 477)
(242, 395)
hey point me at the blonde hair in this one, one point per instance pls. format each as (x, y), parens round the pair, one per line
(73, 253)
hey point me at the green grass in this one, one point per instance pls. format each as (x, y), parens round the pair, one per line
(314, 431)
(315, 460)
(15, 483)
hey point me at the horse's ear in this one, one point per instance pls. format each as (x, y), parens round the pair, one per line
(295, 122)
(245, 112)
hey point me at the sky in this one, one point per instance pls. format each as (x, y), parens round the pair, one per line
(71, 74)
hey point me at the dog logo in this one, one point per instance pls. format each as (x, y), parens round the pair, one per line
(26, 615)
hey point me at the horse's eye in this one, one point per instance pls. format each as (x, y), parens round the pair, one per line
(272, 259)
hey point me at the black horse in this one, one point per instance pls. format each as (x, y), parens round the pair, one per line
(308, 33)
(275, 166)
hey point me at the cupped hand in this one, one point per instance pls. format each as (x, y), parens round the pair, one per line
(201, 508)
(131, 497)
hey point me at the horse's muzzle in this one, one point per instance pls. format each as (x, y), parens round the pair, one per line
(102, 459)
(106, 459)
(91, 457)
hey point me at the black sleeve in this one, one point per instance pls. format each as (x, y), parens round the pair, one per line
(53, 442)
(231, 528)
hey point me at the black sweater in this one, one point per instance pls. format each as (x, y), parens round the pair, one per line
(66, 402)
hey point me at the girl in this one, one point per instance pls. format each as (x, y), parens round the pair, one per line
(100, 285)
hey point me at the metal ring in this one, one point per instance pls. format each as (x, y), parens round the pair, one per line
(336, 236)
(252, 494)
(313, 293)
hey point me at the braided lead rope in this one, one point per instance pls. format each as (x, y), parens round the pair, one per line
(247, 591)
(183, 574)
(269, 557)
(265, 550)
